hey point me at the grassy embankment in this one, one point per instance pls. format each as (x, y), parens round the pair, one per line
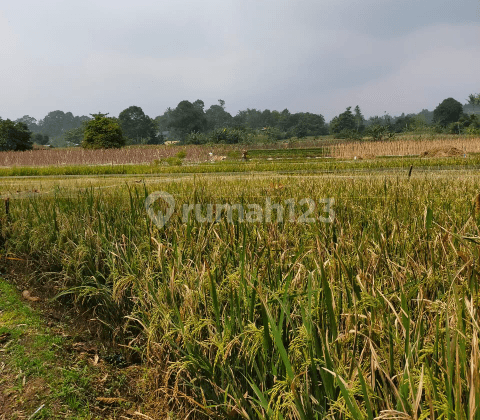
(31, 378)
(283, 166)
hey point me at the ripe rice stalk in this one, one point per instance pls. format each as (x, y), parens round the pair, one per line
(263, 319)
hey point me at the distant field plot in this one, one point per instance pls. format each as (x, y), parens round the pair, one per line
(406, 145)
(410, 145)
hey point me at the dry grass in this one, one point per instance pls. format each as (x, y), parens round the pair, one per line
(125, 156)
(407, 145)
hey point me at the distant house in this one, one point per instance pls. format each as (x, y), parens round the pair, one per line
(171, 142)
(471, 109)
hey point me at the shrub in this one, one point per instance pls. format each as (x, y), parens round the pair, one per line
(181, 154)
(174, 161)
(348, 134)
(196, 138)
(379, 132)
(468, 124)
(103, 133)
(229, 135)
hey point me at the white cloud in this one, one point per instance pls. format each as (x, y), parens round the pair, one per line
(305, 56)
(425, 74)
(16, 72)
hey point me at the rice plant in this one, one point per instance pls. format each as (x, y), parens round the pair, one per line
(372, 316)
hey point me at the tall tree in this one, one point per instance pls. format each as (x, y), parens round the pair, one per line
(40, 138)
(404, 123)
(217, 117)
(187, 118)
(426, 115)
(103, 133)
(58, 122)
(449, 111)
(310, 124)
(137, 126)
(249, 118)
(268, 118)
(199, 104)
(344, 121)
(474, 99)
(163, 121)
(14, 136)
(30, 122)
(359, 120)
(74, 137)
(284, 120)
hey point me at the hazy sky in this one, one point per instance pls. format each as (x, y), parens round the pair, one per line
(317, 56)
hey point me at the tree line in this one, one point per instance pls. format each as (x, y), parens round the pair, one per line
(190, 123)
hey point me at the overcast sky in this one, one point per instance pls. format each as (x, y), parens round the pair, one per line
(305, 55)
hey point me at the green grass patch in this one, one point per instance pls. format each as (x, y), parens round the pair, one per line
(254, 165)
(32, 372)
(289, 153)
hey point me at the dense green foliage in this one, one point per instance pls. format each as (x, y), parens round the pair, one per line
(102, 133)
(40, 139)
(345, 121)
(217, 117)
(220, 135)
(54, 124)
(14, 136)
(474, 99)
(74, 137)
(187, 117)
(447, 112)
(468, 124)
(137, 127)
(379, 132)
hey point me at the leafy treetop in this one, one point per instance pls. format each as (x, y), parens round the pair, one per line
(137, 126)
(449, 111)
(14, 136)
(103, 133)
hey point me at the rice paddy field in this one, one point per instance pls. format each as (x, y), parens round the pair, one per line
(402, 145)
(367, 312)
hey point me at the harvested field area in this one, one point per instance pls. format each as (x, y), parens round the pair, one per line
(300, 149)
(125, 156)
(402, 146)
